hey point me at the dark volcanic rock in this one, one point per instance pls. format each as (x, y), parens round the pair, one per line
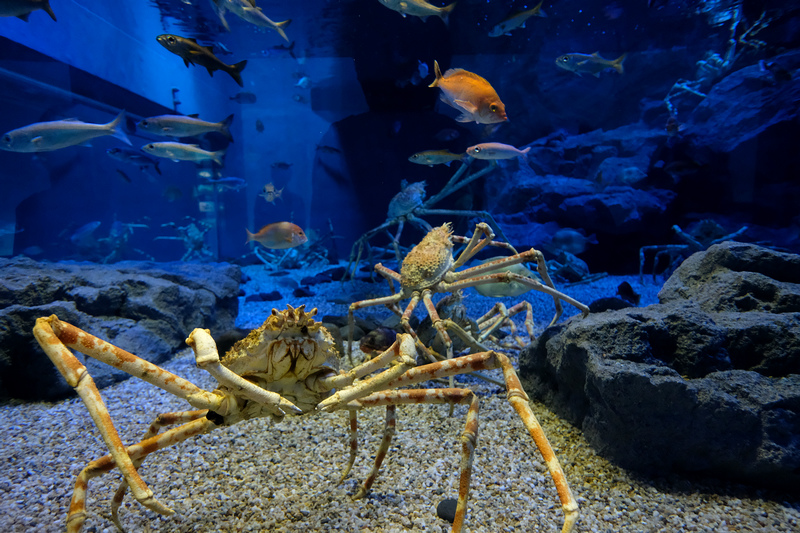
(707, 381)
(145, 308)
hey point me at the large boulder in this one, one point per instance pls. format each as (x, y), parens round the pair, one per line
(145, 308)
(706, 382)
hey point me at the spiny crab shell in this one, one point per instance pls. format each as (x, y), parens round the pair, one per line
(428, 262)
(289, 348)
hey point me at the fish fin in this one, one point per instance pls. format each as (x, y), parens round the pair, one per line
(596, 54)
(217, 157)
(235, 72)
(537, 11)
(447, 163)
(192, 39)
(194, 115)
(596, 74)
(444, 13)
(464, 118)
(617, 63)
(467, 106)
(124, 176)
(437, 72)
(26, 15)
(186, 62)
(210, 71)
(117, 127)
(209, 49)
(279, 27)
(47, 9)
(226, 127)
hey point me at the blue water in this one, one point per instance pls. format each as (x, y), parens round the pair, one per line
(340, 107)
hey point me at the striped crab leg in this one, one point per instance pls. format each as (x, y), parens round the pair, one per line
(517, 397)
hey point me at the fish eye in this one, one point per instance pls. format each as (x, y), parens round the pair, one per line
(6, 138)
(477, 149)
(493, 108)
(171, 40)
(144, 123)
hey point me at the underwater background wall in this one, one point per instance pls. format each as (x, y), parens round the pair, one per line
(600, 197)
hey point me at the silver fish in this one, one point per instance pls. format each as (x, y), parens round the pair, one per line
(247, 11)
(184, 126)
(590, 63)
(516, 20)
(23, 8)
(183, 152)
(497, 151)
(419, 8)
(48, 136)
(133, 157)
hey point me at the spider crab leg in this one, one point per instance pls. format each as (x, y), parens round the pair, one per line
(55, 336)
(499, 314)
(516, 396)
(137, 453)
(164, 419)
(384, 300)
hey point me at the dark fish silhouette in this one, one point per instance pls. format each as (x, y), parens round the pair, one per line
(193, 53)
(23, 8)
(626, 292)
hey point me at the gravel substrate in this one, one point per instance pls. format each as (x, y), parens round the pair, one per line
(258, 476)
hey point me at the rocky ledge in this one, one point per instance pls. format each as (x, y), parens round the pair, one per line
(707, 382)
(145, 308)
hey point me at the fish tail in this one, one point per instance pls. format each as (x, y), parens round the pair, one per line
(279, 26)
(47, 9)
(538, 10)
(157, 169)
(225, 129)
(117, 127)
(444, 13)
(525, 153)
(217, 157)
(438, 72)
(617, 63)
(236, 70)
(250, 236)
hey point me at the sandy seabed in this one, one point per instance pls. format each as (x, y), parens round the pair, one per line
(260, 476)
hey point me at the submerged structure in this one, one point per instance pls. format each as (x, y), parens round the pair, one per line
(420, 173)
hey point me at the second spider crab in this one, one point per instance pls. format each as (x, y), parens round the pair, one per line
(430, 268)
(288, 366)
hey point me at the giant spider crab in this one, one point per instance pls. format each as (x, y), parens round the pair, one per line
(288, 366)
(431, 268)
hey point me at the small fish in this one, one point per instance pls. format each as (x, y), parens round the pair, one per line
(422, 69)
(172, 193)
(447, 134)
(325, 149)
(47, 136)
(419, 8)
(282, 48)
(512, 288)
(23, 8)
(283, 165)
(435, 157)
(589, 64)
(84, 234)
(378, 340)
(193, 53)
(673, 127)
(516, 20)
(278, 236)
(571, 241)
(259, 125)
(497, 151)
(183, 152)
(184, 126)
(244, 97)
(231, 183)
(303, 83)
(135, 158)
(470, 94)
(626, 292)
(247, 11)
(124, 176)
(270, 193)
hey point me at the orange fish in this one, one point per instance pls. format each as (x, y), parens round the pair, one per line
(470, 94)
(278, 236)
